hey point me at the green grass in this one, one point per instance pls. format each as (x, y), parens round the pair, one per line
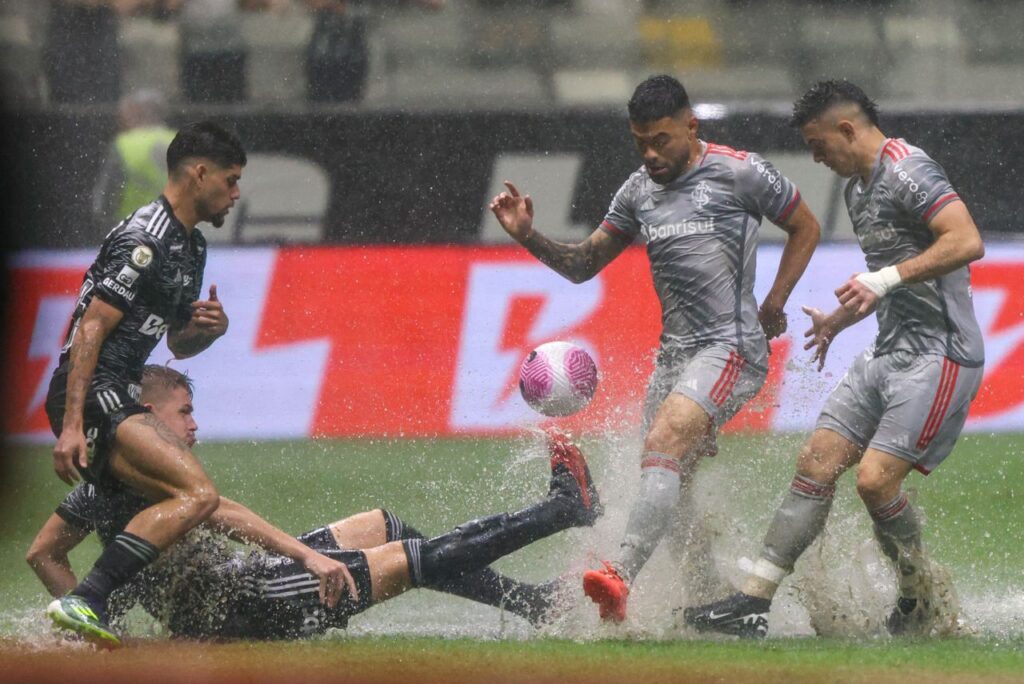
(971, 504)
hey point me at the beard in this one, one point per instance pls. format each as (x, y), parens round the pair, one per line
(218, 220)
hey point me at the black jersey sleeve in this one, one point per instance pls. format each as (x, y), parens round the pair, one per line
(131, 256)
(78, 508)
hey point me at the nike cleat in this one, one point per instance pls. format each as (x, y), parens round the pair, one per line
(570, 477)
(739, 615)
(73, 613)
(607, 589)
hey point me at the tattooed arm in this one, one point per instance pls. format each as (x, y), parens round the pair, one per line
(577, 262)
(97, 323)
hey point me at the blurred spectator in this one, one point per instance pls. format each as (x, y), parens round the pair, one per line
(213, 50)
(135, 169)
(81, 58)
(338, 55)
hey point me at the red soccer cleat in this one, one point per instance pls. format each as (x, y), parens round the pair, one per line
(567, 459)
(607, 589)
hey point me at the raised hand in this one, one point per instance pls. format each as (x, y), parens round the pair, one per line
(209, 316)
(514, 212)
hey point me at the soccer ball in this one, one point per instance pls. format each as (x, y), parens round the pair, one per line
(558, 379)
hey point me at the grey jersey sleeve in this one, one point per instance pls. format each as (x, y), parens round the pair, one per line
(620, 220)
(763, 190)
(78, 508)
(920, 187)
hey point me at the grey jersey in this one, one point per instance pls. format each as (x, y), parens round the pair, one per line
(701, 235)
(890, 215)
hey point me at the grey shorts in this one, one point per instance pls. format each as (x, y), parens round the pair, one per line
(908, 405)
(716, 377)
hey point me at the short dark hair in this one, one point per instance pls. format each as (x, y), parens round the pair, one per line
(205, 139)
(823, 95)
(157, 377)
(657, 97)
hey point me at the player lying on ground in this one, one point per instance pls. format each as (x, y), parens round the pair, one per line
(698, 208)
(200, 589)
(903, 403)
(146, 281)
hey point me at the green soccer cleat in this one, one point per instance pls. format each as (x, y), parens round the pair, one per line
(73, 613)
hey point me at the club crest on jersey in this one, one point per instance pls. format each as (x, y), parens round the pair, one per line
(141, 256)
(701, 194)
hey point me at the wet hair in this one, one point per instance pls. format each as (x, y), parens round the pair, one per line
(165, 378)
(824, 95)
(657, 97)
(207, 140)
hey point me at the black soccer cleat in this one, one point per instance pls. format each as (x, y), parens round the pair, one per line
(570, 477)
(911, 617)
(739, 615)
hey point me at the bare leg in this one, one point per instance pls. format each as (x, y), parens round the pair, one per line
(150, 459)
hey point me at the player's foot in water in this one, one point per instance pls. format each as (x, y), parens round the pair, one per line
(608, 590)
(73, 613)
(911, 617)
(739, 615)
(570, 478)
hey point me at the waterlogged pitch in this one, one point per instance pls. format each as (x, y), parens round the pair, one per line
(974, 530)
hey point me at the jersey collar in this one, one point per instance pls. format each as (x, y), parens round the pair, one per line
(177, 225)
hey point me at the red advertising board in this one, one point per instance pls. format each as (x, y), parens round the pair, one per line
(405, 341)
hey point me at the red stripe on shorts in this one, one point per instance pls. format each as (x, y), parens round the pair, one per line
(943, 395)
(727, 380)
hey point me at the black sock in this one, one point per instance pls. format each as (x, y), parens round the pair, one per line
(122, 559)
(478, 543)
(320, 538)
(396, 529)
(484, 585)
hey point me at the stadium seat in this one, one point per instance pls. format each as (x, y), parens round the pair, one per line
(276, 61)
(149, 55)
(679, 42)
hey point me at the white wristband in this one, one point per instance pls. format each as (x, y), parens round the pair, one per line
(881, 281)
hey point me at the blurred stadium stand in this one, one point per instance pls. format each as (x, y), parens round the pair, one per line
(531, 52)
(476, 64)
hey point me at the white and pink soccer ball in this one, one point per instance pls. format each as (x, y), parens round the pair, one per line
(558, 379)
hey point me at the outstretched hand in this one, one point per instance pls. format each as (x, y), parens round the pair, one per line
(820, 334)
(514, 212)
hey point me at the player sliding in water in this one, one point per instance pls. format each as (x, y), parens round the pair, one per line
(199, 589)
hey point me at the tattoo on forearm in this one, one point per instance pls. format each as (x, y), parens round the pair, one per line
(575, 262)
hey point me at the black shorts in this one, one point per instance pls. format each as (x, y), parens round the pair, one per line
(265, 596)
(107, 405)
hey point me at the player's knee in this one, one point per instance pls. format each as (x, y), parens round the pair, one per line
(815, 465)
(202, 500)
(872, 486)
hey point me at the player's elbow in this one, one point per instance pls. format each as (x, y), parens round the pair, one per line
(37, 555)
(975, 248)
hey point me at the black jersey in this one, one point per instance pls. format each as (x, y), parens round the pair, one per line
(151, 269)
